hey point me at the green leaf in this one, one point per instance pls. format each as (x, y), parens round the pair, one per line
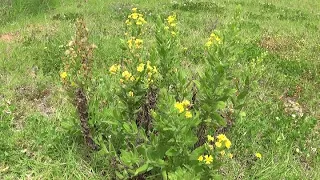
(111, 122)
(197, 83)
(172, 152)
(220, 105)
(242, 114)
(142, 169)
(164, 174)
(160, 163)
(126, 126)
(119, 175)
(220, 120)
(196, 153)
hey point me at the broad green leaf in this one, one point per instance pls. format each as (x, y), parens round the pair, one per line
(220, 120)
(126, 126)
(196, 153)
(172, 152)
(219, 105)
(141, 169)
(164, 174)
(119, 175)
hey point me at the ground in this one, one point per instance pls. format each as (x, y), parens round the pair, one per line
(282, 110)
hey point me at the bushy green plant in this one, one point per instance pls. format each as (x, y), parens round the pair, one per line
(161, 119)
(153, 127)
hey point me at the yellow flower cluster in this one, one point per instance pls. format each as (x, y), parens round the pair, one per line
(213, 38)
(171, 20)
(135, 18)
(127, 76)
(210, 138)
(151, 70)
(134, 42)
(183, 106)
(114, 68)
(63, 75)
(208, 159)
(222, 140)
(130, 93)
(140, 68)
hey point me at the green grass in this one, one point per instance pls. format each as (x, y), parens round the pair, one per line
(36, 140)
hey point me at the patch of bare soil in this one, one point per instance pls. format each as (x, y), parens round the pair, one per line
(9, 37)
(283, 45)
(30, 100)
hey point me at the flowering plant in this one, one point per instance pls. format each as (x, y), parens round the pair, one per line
(162, 119)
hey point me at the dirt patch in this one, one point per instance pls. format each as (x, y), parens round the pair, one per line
(31, 99)
(278, 44)
(9, 37)
(290, 102)
(38, 98)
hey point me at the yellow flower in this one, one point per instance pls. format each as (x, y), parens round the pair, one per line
(208, 159)
(228, 143)
(173, 24)
(258, 155)
(63, 75)
(121, 81)
(171, 19)
(210, 138)
(214, 37)
(128, 22)
(218, 40)
(200, 158)
(179, 106)
(132, 78)
(209, 43)
(222, 137)
(130, 94)
(134, 15)
(222, 153)
(126, 75)
(230, 155)
(114, 68)
(73, 84)
(186, 103)
(130, 42)
(155, 69)
(138, 43)
(218, 144)
(134, 9)
(173, 33)
(140, 68)
(188, 114)
(149, 67)
(141, 21)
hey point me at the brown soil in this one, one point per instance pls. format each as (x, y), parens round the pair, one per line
(8, 37)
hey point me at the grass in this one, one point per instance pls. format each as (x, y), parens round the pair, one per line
(36, 137)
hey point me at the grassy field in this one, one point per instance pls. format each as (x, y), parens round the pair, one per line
(282, 108)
